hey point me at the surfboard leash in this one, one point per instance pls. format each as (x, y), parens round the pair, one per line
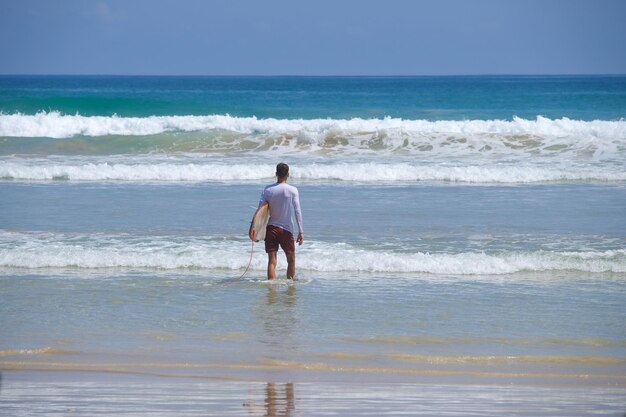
(249, 263)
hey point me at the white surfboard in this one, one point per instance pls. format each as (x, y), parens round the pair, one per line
(259, 223)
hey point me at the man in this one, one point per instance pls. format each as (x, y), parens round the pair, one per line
(283, 200)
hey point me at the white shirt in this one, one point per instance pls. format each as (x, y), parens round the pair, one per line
(283, 200)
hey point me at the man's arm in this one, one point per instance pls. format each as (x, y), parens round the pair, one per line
(298, 213)
(263, 198)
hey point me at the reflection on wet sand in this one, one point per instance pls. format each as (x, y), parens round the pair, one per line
(279, 402)
(278, 322)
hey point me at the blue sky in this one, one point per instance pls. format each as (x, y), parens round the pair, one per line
(320, 37)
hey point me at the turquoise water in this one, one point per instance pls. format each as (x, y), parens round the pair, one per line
(430, 98)
(457, 229)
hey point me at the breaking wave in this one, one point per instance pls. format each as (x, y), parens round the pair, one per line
(49, 250)
(224, 133)
(56, 125)
(365, 172)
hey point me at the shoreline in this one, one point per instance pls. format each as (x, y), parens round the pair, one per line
(578, 372)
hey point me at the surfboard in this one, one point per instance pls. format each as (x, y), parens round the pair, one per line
(259, 223)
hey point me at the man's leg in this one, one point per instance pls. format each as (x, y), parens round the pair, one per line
(291, 265)
(271, 265)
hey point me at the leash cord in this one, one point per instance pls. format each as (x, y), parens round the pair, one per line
(249, 262)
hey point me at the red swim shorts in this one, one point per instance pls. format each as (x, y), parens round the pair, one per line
(275, 236)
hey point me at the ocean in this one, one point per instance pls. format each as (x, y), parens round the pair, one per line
(464, 254)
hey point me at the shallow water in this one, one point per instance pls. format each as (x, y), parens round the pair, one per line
(463, 243)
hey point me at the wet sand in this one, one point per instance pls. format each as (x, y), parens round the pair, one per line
(79, 393)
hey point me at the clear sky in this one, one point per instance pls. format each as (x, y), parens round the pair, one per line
(312, 37)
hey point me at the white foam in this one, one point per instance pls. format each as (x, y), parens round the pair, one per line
(540, 136)
(43, 170)
(468, 263)
(38, 250)
(148, 170)
(515, 173)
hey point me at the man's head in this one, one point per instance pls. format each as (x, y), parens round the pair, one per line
(282, 170)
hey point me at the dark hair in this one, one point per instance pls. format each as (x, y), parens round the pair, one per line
(282, 170)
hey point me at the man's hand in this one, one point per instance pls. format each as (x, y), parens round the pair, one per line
(300, 238)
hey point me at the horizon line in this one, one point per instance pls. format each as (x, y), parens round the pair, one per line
(317, 75)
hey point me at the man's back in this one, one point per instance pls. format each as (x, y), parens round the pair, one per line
(282, 198)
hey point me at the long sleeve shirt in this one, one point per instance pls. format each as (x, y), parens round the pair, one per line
(283, 200)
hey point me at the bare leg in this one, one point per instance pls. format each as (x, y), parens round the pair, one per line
(271, 265)
(291, 265)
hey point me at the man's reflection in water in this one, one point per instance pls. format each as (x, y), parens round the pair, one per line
(279, 402)
(279, 321)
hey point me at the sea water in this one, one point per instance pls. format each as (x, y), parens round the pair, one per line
(457, 229)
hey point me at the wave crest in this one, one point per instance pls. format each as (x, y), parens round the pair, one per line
(36, 251)
(224, 133)
(367, 172)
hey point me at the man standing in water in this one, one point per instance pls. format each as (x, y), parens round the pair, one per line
(283, 200)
